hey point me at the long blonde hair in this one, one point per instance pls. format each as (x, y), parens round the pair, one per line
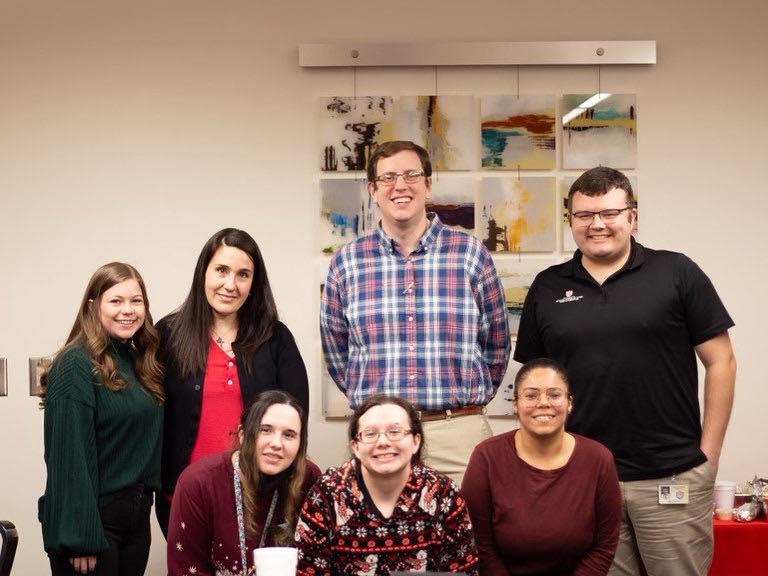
(87, 331)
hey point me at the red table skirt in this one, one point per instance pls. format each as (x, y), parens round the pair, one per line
(741, 549)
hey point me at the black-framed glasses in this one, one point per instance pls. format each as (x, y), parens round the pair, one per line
(608, 215)
(371, 435)
(410, 177)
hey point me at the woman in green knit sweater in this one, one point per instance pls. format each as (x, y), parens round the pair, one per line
(103, 424)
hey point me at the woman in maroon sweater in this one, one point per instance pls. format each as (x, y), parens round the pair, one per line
(543, 502)
(227, 505)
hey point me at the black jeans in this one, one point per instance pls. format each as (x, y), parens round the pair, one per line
(162, 512)
(126, 526)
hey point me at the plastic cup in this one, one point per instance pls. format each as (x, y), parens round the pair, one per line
(725, 497)
(275, 561)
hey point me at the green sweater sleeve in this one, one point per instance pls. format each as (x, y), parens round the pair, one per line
(70, 508)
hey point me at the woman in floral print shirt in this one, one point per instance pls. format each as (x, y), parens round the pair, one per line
(384, 511)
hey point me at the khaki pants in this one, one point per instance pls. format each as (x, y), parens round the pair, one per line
(449, 443)
(667, 540)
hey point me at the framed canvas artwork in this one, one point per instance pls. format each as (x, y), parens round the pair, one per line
(350, 130)
(445, 126)
(517, 215)
(599, 130)
(453, 199)
(347, 212)
(518, 132)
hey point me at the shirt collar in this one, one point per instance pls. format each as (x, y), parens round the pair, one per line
(426, 242)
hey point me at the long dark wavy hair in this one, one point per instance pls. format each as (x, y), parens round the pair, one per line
(292, 480)
(191, 324)
(87, 331)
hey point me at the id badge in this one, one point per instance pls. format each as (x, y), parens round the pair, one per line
(673, 493)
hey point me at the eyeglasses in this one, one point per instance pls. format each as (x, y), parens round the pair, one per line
(585, 217)
(370, 435)
(555, 396)
(410, 177)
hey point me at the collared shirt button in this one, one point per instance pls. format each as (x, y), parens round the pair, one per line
(230, 364)
(412, 376)
(230, 382)
(411, 347)
(197, 387)
(410, 318)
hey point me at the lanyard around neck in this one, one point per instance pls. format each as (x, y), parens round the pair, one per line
(241, 515)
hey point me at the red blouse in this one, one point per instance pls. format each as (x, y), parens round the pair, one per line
(222, 405)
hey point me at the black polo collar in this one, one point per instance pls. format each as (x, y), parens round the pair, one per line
(575, 269)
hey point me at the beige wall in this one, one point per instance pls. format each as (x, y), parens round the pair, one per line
(133, 130)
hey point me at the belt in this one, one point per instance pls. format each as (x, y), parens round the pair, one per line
(432, 415)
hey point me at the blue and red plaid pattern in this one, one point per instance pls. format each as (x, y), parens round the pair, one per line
(430, 327)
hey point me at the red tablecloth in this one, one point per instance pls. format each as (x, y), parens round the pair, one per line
(741, 549)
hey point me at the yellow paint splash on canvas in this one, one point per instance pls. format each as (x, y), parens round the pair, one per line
(512, 213)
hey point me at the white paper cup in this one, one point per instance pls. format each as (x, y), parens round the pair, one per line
(725, 495)
(724, 513)
(275, 561)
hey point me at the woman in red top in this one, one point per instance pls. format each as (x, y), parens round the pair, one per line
(543, 502)
(221, 348)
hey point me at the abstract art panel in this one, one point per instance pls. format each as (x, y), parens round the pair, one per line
(518, 131)
(350, 130)
(347, 212)
(453, 199)
(565, 185)
(444, 125)
(599, 129)
(517, 215)
(517, 276)
(501, 405)
(334, 402)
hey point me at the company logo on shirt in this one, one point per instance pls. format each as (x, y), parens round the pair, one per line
(569, 297)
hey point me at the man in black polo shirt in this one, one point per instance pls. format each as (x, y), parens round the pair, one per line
(628, 323)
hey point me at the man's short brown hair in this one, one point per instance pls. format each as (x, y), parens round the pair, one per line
(599, 181)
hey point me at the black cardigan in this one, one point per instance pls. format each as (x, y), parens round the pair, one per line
(276, 365)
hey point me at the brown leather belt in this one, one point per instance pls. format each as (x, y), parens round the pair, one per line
(432, 415)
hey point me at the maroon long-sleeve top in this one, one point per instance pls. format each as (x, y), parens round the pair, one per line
(562, 522)
(203, 538)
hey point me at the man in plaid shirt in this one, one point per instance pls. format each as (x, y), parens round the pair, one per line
(417, 310)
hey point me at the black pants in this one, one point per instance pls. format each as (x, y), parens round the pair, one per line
(162, 512)
(126, 526)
